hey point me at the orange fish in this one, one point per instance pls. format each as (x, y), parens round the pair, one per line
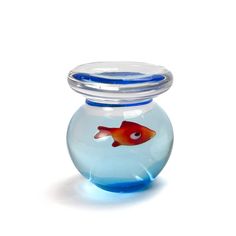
(129, 134)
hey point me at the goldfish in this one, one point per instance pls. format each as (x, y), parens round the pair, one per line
(129, 133)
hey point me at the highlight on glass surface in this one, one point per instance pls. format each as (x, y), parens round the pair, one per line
(120, 139)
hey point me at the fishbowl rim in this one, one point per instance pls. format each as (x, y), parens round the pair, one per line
(103, 89)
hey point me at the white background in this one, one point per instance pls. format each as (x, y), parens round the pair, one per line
(41, 193)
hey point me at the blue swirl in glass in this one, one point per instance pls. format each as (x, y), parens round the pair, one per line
(120, 139)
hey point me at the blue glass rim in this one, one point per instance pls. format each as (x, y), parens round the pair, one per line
(97, 104)
(120, 82)
(98, 79)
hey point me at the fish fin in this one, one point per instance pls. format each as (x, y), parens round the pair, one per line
(115, 144)
(103, 131)
(126, 123)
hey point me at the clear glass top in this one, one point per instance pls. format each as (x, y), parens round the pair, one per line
(119, 82)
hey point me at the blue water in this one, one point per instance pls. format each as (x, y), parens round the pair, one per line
(122, 168)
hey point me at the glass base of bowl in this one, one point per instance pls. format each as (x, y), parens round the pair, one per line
(125, 187)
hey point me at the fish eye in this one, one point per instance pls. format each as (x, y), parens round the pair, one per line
(135, 135)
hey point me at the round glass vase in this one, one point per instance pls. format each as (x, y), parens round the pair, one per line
(120, 139)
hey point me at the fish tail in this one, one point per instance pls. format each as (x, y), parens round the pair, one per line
(103, 131)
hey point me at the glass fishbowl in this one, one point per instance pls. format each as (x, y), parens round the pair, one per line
(120, 139)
